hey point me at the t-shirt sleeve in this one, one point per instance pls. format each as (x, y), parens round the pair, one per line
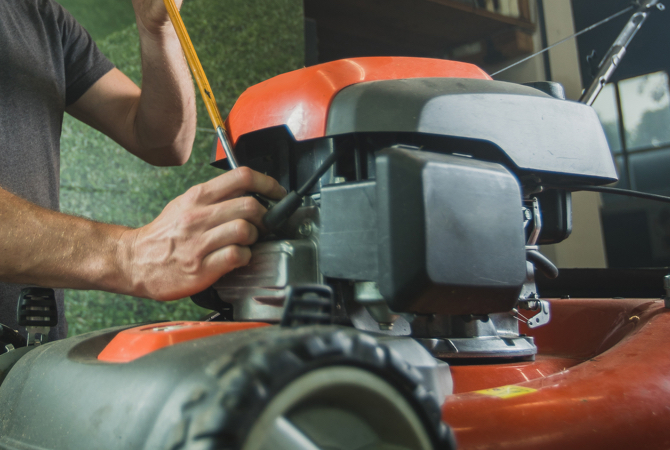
(84, 62)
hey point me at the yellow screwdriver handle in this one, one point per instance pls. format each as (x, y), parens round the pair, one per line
(194, 64)
(201, 80)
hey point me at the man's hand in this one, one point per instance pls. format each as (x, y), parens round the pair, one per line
(198, 237)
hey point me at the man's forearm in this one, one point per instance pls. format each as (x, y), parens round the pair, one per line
(165, 118)
(48, 248)
(157, 122)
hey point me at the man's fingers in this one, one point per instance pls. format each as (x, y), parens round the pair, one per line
(226, 259)
(247, 180)
(246, 208)
(236, 232)
(226, 248)
(236, 183)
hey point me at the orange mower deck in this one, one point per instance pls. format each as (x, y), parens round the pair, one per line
(600, 381)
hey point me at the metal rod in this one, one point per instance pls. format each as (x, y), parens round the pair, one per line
(618, 50)
(227, 148)
(543, 37)
(622, 135)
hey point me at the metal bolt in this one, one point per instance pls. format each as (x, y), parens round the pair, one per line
(666, 284)
(305, 228)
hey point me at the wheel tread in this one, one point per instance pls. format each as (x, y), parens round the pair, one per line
(261, 369)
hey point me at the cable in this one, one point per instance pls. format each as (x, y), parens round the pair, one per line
(595, 25)
(280, 213)
(542, 263)
(616, 191)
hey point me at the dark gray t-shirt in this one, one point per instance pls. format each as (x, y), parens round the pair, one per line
(47, 62)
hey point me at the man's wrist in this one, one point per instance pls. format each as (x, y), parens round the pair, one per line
(159, 33)
(123, 281)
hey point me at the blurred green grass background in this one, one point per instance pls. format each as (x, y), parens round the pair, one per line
(240, 43)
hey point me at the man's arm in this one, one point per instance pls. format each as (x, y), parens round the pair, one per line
(156, 123)
(198, 237)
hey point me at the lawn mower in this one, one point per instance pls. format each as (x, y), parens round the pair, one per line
(393, 306)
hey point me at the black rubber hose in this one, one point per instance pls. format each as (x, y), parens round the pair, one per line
(542, 263)
(280, 213)
(325, 165)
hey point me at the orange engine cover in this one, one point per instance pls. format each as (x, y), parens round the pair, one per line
(300, 99)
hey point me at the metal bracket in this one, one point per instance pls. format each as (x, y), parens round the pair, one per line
(536, 223)
(541, 318)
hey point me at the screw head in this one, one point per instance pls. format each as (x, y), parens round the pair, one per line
(305, 228)
(527, 215)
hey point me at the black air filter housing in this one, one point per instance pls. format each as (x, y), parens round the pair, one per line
(448, 234)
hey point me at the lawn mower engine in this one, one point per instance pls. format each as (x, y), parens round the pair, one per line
(427, 224)
(416, 250)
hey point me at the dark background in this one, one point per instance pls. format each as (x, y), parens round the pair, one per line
(649, 51)
(631, 227)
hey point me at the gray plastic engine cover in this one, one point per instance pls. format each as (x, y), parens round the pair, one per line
(537, 132)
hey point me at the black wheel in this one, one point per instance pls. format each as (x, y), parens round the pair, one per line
(316, 387)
